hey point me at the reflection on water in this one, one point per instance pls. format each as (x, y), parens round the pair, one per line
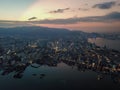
(63, 74)
(59, 65)
(113, 44)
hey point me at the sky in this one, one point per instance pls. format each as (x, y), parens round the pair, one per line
(86, 15)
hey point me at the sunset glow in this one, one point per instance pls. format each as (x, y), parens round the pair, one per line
(57, 11)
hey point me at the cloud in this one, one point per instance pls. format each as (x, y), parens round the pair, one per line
(7, 23)
(32, 18)
(57, 21)
(106, 5)
(83, 9)
(59, 10)
(111, 17)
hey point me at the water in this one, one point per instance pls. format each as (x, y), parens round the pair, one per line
(112, 44)
(63, 76)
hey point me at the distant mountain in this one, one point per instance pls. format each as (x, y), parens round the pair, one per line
(36, 32)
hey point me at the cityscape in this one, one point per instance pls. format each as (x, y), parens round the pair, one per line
(18, 53)
(59, 44)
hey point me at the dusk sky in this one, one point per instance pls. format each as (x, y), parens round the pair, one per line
(86, 15)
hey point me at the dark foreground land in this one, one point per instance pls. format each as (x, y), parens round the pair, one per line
(35, 47)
